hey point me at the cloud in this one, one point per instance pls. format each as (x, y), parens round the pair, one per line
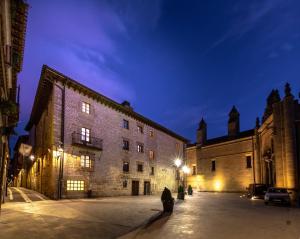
(287, 46)
(273, 54)
(139, 13)
(81, 40)
(246, 18)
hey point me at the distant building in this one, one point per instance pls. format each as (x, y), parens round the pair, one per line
(13, 19)
(21, 161)
(267, 154)
(84, 142)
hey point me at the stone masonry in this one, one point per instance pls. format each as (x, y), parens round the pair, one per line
(62, 118)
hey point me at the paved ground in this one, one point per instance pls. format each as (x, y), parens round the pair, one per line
(85, 218)
(205, 215)
(18, 194)
(221, 216)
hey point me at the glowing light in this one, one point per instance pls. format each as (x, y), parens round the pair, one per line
(186, 169)
(178, 162)
(31, 157)
(218, 185)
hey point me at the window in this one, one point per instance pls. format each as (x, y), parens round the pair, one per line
(75, 185)
(125, 144)
(85, 107)
(213, 165)
(85, 161)
(140, 129)
(125, 184)
(125, 124)
(140, 167)
(85, 134)
(248, 162)
(126, 167)
(151, 133)
(152, 170)
(194, 170)
(151, 154)
(140, 148)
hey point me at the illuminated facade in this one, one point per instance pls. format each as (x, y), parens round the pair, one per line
(268, 154)
(85, 143)
(13, 20)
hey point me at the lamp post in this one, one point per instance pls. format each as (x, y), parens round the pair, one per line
(186, 170)
(177, 163)
(60, 156)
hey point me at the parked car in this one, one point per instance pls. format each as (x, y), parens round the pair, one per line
(257, 191)
(277, 195)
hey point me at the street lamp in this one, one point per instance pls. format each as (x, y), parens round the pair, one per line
(186, 170)
(177, 163)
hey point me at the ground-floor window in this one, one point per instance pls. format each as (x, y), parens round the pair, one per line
(75, 185)
(85, 161)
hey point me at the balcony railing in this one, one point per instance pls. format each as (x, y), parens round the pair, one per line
(92, 142)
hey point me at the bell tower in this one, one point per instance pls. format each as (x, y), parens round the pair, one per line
(233, 122)
(202, 132)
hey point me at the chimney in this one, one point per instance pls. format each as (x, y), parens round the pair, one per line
(126, 104)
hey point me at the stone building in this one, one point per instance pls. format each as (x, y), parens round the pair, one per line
(13, 18)
(85, 142)
(267, 154)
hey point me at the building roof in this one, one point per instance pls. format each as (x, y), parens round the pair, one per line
(49, 76)
(225, 138)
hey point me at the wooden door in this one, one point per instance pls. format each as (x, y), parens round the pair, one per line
(135, 188)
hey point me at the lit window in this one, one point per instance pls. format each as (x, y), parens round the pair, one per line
(85, 161)
(140, 167)
(85, 134)
(151, 133)
(85, 107)
(125, 144)
(213, 165)
(151, 154)
(75, 185)
(140, 148)
(125, 124)
(140, 129)
(126, 167)
(248, 162)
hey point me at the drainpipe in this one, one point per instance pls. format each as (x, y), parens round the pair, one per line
(62, 135)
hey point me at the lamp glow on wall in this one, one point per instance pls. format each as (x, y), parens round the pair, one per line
(218, 185)
(186, 169)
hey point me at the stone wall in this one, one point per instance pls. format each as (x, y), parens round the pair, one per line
(106, 177)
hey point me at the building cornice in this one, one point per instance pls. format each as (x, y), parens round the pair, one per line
(49, 76)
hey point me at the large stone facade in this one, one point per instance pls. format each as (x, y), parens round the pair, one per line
(13, 20)
(267, 154)
(56, 133)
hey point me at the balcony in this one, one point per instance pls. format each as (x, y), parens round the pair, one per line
(93, 142)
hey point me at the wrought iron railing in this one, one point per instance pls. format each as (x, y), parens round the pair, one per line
(93, 142)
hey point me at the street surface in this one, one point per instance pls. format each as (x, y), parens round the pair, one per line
(83, 218)
(204, 215)
(224, 216)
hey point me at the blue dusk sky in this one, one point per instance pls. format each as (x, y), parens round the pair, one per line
(175, 61)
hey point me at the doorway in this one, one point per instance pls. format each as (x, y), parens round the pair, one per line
(146, 188)
(135, 188)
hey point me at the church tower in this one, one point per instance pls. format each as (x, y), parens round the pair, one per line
(233, 122)
(202, 132)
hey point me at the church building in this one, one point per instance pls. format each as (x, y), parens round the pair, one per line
(267, 154)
